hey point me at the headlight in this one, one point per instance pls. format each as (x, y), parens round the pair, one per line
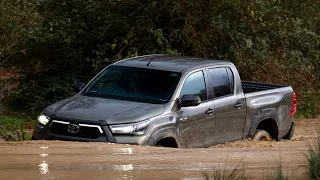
(135, 128)
(42, 119)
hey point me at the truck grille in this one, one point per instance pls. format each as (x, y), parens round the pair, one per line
(85, 131)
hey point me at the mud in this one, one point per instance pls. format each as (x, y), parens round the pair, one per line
(79, 160)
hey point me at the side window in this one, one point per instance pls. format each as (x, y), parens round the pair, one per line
(231, 79)
(220, 82)
(195, 84)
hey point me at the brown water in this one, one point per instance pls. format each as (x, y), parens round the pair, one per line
(79, 160)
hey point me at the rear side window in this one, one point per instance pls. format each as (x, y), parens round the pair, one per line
(195, 85)
(220, 82)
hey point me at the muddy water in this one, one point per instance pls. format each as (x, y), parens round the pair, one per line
(76, 160)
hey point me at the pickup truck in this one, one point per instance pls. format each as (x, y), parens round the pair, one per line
(170, 101)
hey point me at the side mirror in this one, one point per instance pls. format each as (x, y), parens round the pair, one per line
(190, 100)
(77, 87)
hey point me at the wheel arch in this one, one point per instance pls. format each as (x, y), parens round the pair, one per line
(166, 135)
(268, 124)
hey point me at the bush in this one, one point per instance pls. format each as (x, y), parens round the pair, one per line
(269, 41)
(35, 93)
(18, 20)
(15, 128)
(308, 105)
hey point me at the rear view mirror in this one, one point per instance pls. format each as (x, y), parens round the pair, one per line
(77, 87)
(190, 100)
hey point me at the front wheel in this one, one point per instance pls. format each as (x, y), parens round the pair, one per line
(262, 135)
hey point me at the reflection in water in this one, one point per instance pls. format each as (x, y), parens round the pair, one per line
(123, 151)
(44, 167)
(43, 155)
(126, 177)
(128, 167)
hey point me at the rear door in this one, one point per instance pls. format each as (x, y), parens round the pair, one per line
(229, 106)
(196, 123)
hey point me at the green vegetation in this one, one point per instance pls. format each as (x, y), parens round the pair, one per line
(278, 174)
(235, 173)
(15, 128)
(313, 160)
(52, 43)
(309, 106)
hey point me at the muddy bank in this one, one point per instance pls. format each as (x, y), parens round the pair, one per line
(76, 160)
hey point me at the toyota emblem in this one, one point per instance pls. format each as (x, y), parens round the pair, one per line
(73, 128)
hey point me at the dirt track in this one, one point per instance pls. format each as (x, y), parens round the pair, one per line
(75, 160)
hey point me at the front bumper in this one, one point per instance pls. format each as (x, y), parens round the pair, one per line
(47, 133)
(42, 132)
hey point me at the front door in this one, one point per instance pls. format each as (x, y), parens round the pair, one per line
(196, 123)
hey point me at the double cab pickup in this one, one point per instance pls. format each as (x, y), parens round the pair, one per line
(170, 101)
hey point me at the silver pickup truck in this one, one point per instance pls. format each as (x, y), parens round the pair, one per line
(170, 101)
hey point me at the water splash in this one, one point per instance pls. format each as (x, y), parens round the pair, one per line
(127, 167)
(44, 167)
(44, 155)
(123, 151)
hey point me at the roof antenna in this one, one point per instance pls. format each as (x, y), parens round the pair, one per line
(150, 60)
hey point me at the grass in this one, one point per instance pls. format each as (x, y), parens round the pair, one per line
(313, 159)
(236, 173)
(15, 128)
(278, 174)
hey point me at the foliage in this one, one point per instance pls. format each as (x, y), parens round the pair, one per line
(37, 93)
(14, 128)
(313, 160)
(236, 173)
(223, 175)
(18, 19)
(309, 106)
(278, 174)
(270, 41)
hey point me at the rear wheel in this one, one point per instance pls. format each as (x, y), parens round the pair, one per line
(262, 135)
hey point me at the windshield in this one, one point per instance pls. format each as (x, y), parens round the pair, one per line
(135, 84)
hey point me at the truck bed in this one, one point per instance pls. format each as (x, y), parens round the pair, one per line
(249, 87)
(267, 101)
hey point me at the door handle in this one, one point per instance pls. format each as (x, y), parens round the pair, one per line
(238, 105)
(209, 111)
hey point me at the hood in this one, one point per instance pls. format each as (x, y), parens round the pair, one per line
(111, 111)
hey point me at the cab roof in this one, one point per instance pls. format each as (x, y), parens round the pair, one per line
(168, 62)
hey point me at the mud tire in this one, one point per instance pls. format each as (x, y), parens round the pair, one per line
(261, 135)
